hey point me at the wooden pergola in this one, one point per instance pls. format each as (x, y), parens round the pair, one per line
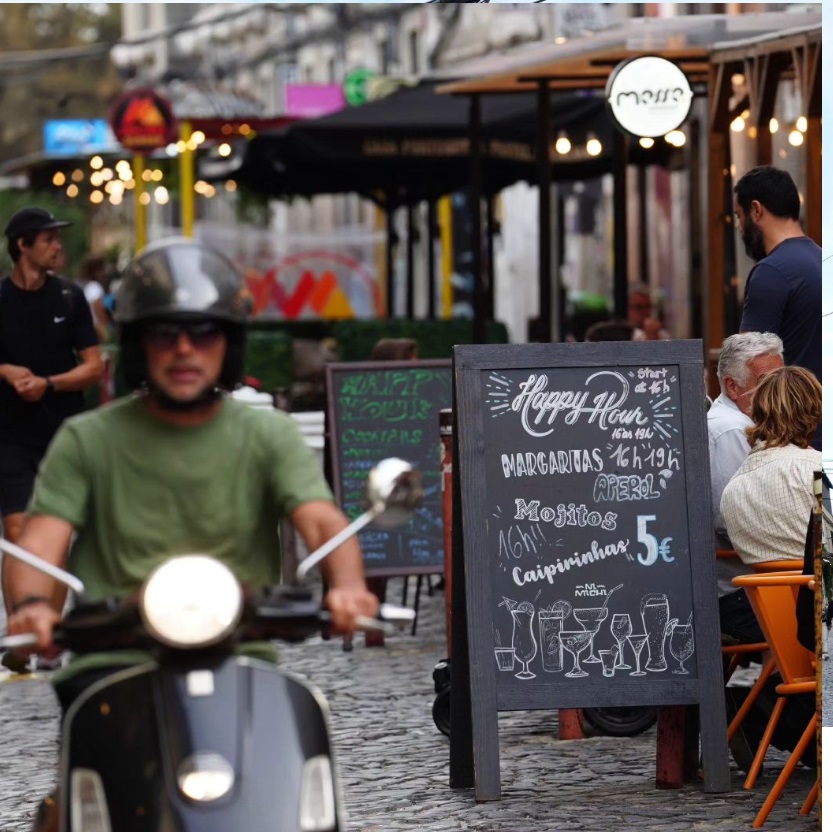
(785, 44)
(582, 65)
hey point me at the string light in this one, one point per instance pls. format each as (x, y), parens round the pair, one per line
(563, 144)
(594, 146)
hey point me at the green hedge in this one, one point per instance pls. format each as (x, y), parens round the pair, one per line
(269, 353)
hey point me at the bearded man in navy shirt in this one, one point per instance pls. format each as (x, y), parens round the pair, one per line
(783, 290)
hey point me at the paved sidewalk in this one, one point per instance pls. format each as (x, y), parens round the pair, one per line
(394, 763)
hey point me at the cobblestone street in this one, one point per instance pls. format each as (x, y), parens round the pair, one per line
(394, 763)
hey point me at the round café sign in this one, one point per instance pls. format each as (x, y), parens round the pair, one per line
(648, 96)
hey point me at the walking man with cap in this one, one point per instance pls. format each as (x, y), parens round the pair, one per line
(49, 354)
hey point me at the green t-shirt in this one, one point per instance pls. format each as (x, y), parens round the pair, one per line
(139, 490)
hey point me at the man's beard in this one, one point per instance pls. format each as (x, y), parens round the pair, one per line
(202, 401)
(753, 240)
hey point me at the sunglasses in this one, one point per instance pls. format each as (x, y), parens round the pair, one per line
(165, 336)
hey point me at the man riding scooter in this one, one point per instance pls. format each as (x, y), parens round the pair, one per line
(178, 467)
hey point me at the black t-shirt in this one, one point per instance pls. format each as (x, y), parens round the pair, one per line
(783, 295)
(42, 330)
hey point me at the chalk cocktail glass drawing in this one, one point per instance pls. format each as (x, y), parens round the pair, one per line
(637, 642)
(574, 641)
(550, 625)
(591, 619)
(522, 638)
(654, 610)
(681, 644)
(621, 627)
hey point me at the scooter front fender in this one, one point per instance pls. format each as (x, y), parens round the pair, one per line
(136, 729)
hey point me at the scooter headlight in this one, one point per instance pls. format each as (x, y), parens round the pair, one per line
(191, 601)
(205, 776)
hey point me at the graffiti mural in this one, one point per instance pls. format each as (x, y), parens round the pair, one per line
(315, 284)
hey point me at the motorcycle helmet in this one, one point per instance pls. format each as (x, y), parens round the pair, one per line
(181, 279)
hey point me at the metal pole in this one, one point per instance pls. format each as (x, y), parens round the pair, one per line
(475, 203)
(139, 206)
(543, 328)
(389, 243)
(186, 181)
(490, 258)
(409, 254)
(433, 236)
(620, 225)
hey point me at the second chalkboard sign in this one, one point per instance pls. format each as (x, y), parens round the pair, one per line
(381, 409)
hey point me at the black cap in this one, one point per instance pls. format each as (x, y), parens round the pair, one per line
(31, 219)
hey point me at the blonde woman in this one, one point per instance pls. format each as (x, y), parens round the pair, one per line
(766, 505)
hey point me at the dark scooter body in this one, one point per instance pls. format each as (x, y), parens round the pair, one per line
(136, 728)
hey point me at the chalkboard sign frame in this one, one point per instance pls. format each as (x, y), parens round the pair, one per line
(332, 371)
(477, 749)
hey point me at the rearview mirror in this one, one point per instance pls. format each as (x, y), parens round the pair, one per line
(394, 491)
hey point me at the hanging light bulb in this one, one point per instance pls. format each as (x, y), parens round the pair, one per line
(676, 138)
(796, 138)
(773, 125)
(801, 124)
(562, 144)
(738, 125)
(647, 142)
(594, 146)
(59, 179)
(224, 149)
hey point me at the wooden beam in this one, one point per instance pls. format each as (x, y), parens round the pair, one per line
(720, 91)
(813, 195)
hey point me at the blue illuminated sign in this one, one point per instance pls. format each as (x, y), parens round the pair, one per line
(70, 137)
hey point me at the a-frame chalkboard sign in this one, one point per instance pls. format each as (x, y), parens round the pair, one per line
(377, 409)
(586, 519)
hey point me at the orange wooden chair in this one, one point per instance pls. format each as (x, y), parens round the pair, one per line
(773, 599)
(736, 651)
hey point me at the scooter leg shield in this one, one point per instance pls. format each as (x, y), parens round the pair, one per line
(200, 750)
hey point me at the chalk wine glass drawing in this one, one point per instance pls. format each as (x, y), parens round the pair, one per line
(574, 642)
(591, 619)
(523, 639)
(550, 625)
(681, 643)
(621, 628)
(654, 612)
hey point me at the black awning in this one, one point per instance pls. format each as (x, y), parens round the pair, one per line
(414, 145)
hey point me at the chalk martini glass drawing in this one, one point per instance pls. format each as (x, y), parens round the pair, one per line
(681, 643)
(654, 611)
(637, 642)
(574, 641)
(621, 628)
(523, 639)
(591, 619)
